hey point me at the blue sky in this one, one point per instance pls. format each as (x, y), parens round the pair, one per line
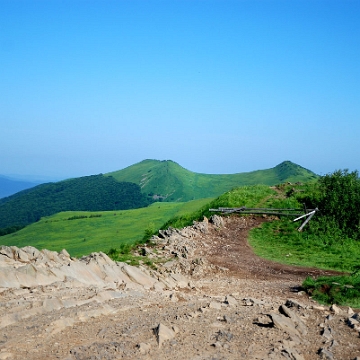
(90, 87)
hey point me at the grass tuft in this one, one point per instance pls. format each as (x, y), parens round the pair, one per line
(340, 290)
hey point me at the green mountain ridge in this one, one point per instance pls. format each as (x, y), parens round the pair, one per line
(134, 187)
(168, 181)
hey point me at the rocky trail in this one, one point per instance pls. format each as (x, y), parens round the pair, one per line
(211, 299)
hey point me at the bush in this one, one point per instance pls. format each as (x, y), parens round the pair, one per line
(340, 201)
(149, 232)
(337, 196)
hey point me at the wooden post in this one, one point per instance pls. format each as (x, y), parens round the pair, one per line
(308, 219)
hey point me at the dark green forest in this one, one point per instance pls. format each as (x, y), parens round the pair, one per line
(89, 193)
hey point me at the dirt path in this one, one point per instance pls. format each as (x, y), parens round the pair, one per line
(230, 249)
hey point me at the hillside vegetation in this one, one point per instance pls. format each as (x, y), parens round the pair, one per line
(168, 181)
(82, 232)
(89, 193)
(133, 187)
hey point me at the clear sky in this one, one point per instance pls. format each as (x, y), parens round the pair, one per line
(221, 86)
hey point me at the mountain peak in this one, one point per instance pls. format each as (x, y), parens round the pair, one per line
(169, 181)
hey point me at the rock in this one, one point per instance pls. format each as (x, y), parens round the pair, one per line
(284, 323)
(158, 240)
(223, 336)
(230, 300)
(145, 251)
(8, 251)
(202, 226)
(159, 286)
(83, 316)
(52, 304)
(327, 333)
(64, 253)
(333, 344)
(21, 255)
(217, 344)
(144, 348)
(264, 320)
(138, 276)
(291, 353)
(173, 297)
(300, 326)
(228, 319)
(59, 325)
(181, 280)
(215, 305)
(168, 232)
(164, 333)
(176, 329)
(217, 221)
(252, 302)
(293, 303)
(335, 309)
(326, 354)
(353, 322)
(50, 256)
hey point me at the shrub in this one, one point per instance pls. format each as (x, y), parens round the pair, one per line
(337, 196)
(340, 200)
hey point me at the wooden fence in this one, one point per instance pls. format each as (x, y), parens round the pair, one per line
(298, 213)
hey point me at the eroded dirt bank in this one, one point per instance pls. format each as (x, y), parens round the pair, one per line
(213, 299)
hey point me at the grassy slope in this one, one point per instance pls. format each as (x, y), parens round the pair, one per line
(280, 241)
(169, 179)
(82, 236)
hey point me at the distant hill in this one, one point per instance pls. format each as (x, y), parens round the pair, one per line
(168, 181)
(9, 186)
(89, 193)
(134, 187)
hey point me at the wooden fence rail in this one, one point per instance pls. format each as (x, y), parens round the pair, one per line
(298, 213)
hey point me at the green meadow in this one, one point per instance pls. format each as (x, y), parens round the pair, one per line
(83, 232)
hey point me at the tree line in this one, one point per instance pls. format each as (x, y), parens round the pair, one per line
(89, 193)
